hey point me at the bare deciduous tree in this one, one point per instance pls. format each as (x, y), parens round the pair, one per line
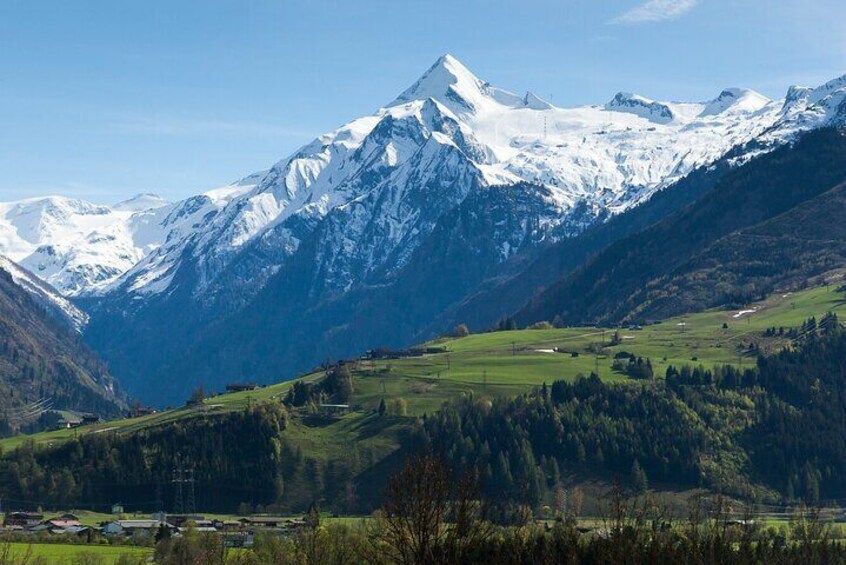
(415, 510)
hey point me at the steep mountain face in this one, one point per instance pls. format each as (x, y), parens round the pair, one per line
(307, 325)
(523, 278)
(43, 363)
(48, 298)
(768, 225)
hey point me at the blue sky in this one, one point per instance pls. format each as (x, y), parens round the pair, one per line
(105, 99)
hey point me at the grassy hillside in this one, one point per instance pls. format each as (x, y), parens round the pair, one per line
(510, 362)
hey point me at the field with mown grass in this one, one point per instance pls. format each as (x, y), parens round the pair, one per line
(68, 554)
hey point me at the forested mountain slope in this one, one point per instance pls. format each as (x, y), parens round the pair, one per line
(44, 364)
(767, 224)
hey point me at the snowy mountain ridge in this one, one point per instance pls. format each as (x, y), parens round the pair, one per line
(75, 245)
(57, 305)
(599, 159)
(366, 194)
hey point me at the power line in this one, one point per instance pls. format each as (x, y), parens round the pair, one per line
(191, 507)
(181, 478)
(178, 506)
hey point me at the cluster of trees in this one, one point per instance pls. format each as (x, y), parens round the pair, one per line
(431, 515)
(809, 328)
(507, 324)
(521, 445)
(335, 388)
(725, 377)
(778, 424)
(633, 366)
(798, 441)
(395, 407)
(461, 330)
(235, 457)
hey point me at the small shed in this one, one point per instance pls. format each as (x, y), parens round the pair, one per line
(68, 423)
(131, 527)
(112, 529)
(262, 521)
(88, 419)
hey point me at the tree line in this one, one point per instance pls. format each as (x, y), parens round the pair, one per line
(432, 515)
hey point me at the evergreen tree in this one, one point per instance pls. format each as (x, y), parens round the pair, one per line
(638, 477)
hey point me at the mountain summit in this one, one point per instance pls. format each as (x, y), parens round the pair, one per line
(736, 100)
(452, 84)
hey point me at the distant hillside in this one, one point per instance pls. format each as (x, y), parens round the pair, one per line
(48, 298)
(44, 364)
(511, 403)
(769, 224)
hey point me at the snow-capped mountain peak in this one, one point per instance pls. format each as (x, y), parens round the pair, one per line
(736, 100)
(140, 202)
(795, 94)
(821, 102)
(638, 105)
(385, 175)
(452, 84)
(447, 81)
(807, 108)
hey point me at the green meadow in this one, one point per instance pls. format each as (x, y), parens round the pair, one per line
(505, 363)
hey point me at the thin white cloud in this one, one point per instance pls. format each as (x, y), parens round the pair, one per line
(655, 11)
